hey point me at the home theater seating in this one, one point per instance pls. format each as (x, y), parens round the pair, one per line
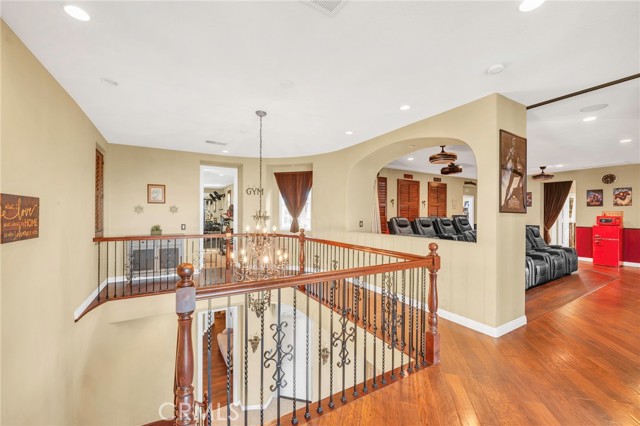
(443, 228)
(543, 262)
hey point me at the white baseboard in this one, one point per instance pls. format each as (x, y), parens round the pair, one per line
(631, 264)
(483, 328)
(84, 305)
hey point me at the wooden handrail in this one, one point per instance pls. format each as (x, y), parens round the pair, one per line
(383, 252)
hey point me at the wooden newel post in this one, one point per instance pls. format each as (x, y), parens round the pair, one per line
(433, 338)
(228, 266)
(301, 238)
(184, 409)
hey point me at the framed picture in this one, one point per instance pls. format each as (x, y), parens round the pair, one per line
(594, 197)
(513, 173)
(155, 193)
(622, 196)
(529, 201)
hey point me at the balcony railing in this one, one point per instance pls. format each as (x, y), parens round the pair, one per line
(353, 321)
(338, 323)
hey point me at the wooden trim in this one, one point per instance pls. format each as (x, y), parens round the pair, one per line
(582, 92)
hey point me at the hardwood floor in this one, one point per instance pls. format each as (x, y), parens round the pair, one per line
(576, 362)
(218, 365)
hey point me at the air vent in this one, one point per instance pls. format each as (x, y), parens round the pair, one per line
(216, 143)
(328, 7)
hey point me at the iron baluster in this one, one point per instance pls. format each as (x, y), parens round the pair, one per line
(356, 295)
(346, 335)
(208, 396)
(261, 369)
(319, 409)
(294, 419)
(246, 357)
(229, 361)
(307, 414)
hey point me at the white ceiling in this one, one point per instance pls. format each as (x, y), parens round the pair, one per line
(217, 177)
(420, 162)
(192, 71)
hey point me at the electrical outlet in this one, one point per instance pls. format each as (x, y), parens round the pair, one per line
(361, 224)
(183, 226)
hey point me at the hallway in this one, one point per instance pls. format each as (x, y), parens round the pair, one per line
(577, 364)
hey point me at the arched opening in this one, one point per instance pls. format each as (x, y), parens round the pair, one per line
(437, 200)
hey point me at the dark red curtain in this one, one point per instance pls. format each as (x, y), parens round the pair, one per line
(555, 195)
(294, 187)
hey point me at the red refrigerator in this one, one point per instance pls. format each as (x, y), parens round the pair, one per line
(607, 242)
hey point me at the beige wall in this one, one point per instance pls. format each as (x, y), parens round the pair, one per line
(628, 176)
(48, 149)
(455, 190)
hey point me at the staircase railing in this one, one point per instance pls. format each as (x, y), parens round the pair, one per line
(353, 321)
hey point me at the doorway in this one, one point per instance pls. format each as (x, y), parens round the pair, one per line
(560, 230)
(468, 208)
(217, 320)
(408, 199)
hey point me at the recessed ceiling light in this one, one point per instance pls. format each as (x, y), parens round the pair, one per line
(220, 174)
(405, 107)
(225, 151)
(287, 84)
(495, 69)
(592, 108)
(625, 140)
(108, 81)
(77, 13)
(529, 5)
(410, 159)
(559, 165)
(348, 132)
(587, 119)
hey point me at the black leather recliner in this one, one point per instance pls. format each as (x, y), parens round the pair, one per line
(464, 228)
(444, 226)
(425, 227)
(554, 258)
(400, 226)
(571, 257)
(536, 269)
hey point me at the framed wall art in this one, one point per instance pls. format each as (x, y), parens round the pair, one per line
(513, 173)
(594, 197)
(529, 201)
(622, 196)
(156, 193)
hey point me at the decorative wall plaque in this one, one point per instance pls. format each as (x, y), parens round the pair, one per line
(20, 218)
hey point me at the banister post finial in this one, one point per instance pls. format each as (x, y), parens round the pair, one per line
(432, 336)
(301, 261)
(184, 408)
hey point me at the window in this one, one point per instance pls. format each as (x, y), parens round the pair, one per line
(304, 221)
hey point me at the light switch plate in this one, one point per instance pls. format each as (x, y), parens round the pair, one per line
(183, 226)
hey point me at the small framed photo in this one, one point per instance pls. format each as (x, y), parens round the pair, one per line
(622, 196)
(529, 200)
(155, 193)
(594, 198)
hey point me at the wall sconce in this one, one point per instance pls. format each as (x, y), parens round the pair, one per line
(254, 340)
(392, 202)
(324, 353)
(173, 209)
(138, 209)
(424, 203)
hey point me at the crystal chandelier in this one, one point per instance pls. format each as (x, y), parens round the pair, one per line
(259, 256)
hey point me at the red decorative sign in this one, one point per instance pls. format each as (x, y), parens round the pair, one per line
(20, 217)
